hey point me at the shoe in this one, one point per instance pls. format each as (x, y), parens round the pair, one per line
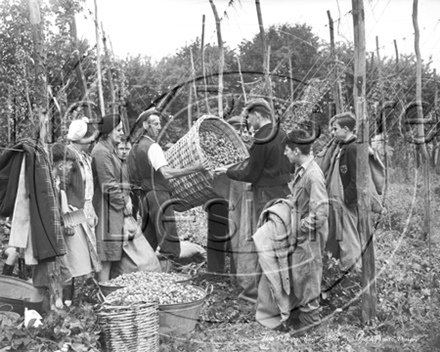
(300, 328)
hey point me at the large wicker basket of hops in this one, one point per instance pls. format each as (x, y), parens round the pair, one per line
(212, 139)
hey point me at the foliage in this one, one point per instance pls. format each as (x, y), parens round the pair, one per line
(75, 328)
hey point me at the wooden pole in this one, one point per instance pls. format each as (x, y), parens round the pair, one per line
(203, 65)
(241, 79)
(193, 74)
(98, 62)
(363, 172)
(384, 114)
(109, 74)
(266, 64)
(435, 90)
(221, 61)
(45, 135)
(437, 163)
(268, 80)
(79, 70)
(189, 107)
(292, 90)
(399, 92)
(421, 129)
(337, 94)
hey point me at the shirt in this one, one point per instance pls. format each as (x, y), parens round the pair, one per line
(156, 156)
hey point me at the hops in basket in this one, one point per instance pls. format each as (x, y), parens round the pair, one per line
(144, 277)
(219, 150)
(164, 292)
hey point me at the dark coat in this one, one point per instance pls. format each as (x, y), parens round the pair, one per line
(48, 241)
(108, 201)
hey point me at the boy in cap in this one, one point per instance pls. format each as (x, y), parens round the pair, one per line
(300, 254)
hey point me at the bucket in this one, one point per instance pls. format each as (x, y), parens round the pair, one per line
(180, 319)
(17, 293)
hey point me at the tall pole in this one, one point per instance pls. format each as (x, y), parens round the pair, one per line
(362, 167)
(203, 65)
(437, 162)
(337, 94)
(109, 74)
(241, 79)
(9, 115)
(292, 90)
(266, 61)
(98, 62)
(193, 74)
(79, 70)
(189, 107)
(384, 114)
(421, 129)
(399, 92)
(221, 61)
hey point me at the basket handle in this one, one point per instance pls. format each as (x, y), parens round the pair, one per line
(209, 289)
(100, 295)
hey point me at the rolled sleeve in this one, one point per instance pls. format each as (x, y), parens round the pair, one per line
(156, 156)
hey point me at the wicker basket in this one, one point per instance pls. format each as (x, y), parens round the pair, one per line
(133, 328)
(196, 189)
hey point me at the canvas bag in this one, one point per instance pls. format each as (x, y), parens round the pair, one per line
(137, 254)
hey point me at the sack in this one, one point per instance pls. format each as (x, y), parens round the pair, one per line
(137, 254)
(191, 253)
(130, 228)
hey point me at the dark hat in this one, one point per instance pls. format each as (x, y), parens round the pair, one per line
(237, 121)
(258, 104)
(109, 123)
(300, 136)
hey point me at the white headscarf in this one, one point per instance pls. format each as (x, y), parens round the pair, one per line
(77, 129)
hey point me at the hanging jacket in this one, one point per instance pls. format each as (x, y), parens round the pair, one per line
(47, 237)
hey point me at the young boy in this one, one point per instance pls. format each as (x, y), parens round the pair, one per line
(344, 241)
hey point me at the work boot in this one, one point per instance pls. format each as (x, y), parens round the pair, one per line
(8, 270)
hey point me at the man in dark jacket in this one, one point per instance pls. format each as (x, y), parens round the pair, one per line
(267, 168)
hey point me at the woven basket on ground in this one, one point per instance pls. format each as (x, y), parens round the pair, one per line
(196, 189)
(132, 328)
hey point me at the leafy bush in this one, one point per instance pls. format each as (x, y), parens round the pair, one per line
(70, 330)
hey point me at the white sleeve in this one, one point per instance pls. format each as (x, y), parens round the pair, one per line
(156, 156)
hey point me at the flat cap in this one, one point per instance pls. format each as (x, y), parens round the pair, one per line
(237, 121)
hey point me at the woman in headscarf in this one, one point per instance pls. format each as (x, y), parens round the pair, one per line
(82, 257)
(109, 200)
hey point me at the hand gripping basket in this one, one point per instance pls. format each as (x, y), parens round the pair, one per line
(196, 189)
(130, 328)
